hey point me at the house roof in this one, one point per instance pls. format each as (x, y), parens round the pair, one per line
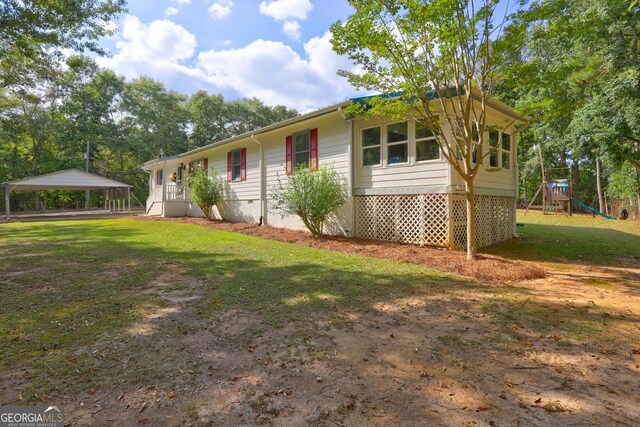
(432, 94)
(70, 179)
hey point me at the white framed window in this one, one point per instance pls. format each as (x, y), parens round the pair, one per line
(236, 165)
(494, 148)
(198, 164)
(506, 150)
(371, 146)
(427, 147)
(301, 147)
(398, 143)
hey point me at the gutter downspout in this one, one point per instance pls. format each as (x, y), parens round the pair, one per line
(351, 177)
(263, 198)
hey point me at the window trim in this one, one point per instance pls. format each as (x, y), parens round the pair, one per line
(379, 146)
(495, 149)
(233, 165)
(294, 153)
(392, 144)
(503, 151)
(428, 138)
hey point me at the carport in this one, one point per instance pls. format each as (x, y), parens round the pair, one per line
(73, 179)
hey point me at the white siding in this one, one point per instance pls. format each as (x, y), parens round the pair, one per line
(493, 181)
(240, 190)
(432, 173)
(333, 150)
(242, 199)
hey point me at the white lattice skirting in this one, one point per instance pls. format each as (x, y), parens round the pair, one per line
(433, 219)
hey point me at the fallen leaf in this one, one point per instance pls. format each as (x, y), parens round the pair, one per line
(143, 421)
(554, 407)
(143, 407)
(538, 400)
(91, 391)
(171, 395)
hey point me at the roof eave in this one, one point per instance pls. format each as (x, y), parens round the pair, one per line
(270, 128)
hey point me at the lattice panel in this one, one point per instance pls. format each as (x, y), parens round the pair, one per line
(419, 219)
(494, 219)
(459, 223)
(435, 225)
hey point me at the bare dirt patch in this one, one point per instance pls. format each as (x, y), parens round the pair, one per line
(487, 267)
(427, 359)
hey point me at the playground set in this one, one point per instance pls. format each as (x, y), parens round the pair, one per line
(557, 195)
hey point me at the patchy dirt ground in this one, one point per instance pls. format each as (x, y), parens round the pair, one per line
(563, 350)
(424, 360)
(487, 267)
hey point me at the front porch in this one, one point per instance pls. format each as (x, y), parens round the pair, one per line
(171, 199)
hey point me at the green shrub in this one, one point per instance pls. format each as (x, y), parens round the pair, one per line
(311, 195)
(206, 190)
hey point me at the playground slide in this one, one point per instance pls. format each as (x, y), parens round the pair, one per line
(589, 208)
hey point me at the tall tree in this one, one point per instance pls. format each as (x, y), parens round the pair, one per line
(416, 48)
(574, 66)
(32, 31)
(215, 119)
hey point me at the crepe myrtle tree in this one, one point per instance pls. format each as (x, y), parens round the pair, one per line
(206, 190)
(435, 61)
(313, 195)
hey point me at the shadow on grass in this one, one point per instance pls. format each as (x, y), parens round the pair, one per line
(71, 292)
(568, 245)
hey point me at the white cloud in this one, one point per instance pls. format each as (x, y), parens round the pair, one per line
(269, 70)
(281, 10)
(155, 49)
(181, 2)
(292, 29)
(220, 9)
(276, 74)
(170, 11)
(288, 11)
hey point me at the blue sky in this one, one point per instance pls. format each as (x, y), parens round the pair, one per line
(275, 50)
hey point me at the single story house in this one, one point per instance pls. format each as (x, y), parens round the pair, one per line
(399, 185)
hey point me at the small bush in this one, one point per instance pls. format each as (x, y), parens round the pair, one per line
(311, 195)
(206, 190)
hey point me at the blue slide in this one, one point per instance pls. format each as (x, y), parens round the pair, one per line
(589, 208)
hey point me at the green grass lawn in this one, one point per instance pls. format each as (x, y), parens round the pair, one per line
(559, 239)
(81, 306)
(63, 283)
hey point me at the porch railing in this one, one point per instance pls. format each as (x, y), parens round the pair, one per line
(178, 193)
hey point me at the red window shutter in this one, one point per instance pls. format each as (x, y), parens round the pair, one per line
(206, 164)
(229, 166)
(190, 167)
(313, 149)
(243, 164)
(289, 159)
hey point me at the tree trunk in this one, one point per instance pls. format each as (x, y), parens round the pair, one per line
(638, 190)
(599, 184)
(471, 222)
(575, 175)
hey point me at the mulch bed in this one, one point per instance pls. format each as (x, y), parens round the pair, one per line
(489, 268)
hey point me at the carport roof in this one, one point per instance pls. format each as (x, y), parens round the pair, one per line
(70, 179)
